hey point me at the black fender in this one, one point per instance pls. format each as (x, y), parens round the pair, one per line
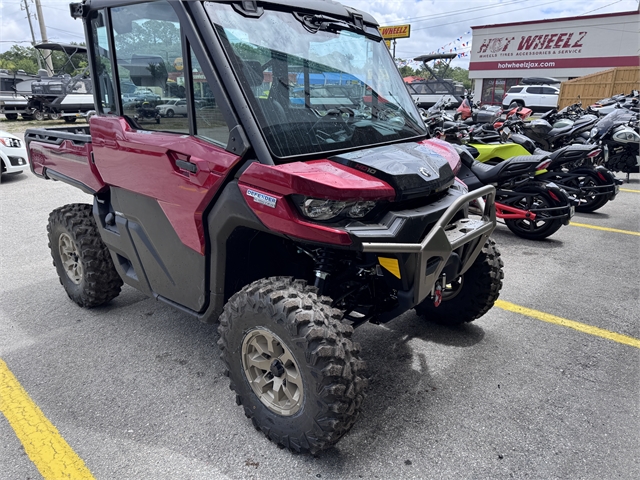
(607, 180)
(565, 202)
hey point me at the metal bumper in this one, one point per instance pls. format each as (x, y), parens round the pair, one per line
(444, 238)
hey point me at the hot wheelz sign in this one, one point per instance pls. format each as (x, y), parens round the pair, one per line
(543, 43)
(555, 46)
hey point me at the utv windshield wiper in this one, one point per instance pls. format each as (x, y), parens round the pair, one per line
(314, 23)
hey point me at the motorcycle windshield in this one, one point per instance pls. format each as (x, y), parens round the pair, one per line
(316, 83)
(438, 106)
(616, 117)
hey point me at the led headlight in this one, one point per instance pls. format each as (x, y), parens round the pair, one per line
(319, 209)
(593, 132)
(360, 209)
(323, 209)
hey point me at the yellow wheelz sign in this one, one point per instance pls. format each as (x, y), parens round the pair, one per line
(397, 31)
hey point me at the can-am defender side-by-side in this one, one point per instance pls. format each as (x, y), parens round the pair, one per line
(291, 222)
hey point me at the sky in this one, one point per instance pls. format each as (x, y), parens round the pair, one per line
(434, 23)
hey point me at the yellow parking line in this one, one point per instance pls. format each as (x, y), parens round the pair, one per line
(581, 327)
(629, 190)
(46, 448)
(606, 229)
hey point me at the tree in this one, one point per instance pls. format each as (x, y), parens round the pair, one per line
(406, 71)
(20, 58)
(26, 58)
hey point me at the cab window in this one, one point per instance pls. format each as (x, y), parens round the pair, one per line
(103, 59)
(209, 122)
(148, 54)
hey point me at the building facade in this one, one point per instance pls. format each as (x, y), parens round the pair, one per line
(563, 48)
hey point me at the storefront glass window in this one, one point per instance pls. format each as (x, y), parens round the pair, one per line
(487, 90)
(493, 89)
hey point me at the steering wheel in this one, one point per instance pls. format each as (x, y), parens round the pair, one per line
(339, 117)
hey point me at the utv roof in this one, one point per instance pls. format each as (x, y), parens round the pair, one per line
(62, 47)
(329, 7)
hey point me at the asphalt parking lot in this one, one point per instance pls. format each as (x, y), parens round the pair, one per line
(136, 389)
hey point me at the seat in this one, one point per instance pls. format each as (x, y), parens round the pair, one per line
(512, 167)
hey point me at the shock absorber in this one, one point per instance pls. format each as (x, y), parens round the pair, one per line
(325, 260)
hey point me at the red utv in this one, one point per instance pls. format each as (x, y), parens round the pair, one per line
(288, 224)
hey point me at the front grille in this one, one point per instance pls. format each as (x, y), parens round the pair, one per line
(417, 202)
(17, 161)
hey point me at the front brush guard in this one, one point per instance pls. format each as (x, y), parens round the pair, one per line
(444, 238)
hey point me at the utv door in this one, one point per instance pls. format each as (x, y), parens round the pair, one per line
(163, 173)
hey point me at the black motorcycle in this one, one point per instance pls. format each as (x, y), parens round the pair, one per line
(573, 167)
(617, 134)
(548, 137)
(530, 209)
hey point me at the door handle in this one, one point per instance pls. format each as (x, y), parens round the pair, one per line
(185, 165)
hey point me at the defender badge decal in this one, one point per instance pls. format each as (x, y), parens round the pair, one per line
(262, 198)
(424, 172)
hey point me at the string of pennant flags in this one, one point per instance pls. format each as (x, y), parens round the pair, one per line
(460, 46)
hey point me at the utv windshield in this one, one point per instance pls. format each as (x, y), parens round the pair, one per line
(316, 83)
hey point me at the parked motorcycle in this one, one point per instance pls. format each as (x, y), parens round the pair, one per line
(549, 138)
(607, 105)
(530, 209)
(617, 134)
(471, 113)
(438, 120)
(571, 167)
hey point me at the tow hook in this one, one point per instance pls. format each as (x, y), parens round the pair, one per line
(436, 293)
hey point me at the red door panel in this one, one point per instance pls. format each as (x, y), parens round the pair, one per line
(148, 163)
(161, 183)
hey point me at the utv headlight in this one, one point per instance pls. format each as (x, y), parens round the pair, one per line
(322, 209)
(593, 133)
(360, 209)
(319, 209)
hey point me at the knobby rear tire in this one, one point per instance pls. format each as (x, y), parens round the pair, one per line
(325, 357)
(96, 279)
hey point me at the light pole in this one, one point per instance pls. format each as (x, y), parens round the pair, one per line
(43, 33)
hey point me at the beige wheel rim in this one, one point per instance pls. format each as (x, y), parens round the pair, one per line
(69, 256)
(272, 372)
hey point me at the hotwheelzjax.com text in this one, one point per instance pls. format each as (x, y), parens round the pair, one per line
(526, 64)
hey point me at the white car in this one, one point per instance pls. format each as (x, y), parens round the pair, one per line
(173, 107)
(13, 154)
(535, 97)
